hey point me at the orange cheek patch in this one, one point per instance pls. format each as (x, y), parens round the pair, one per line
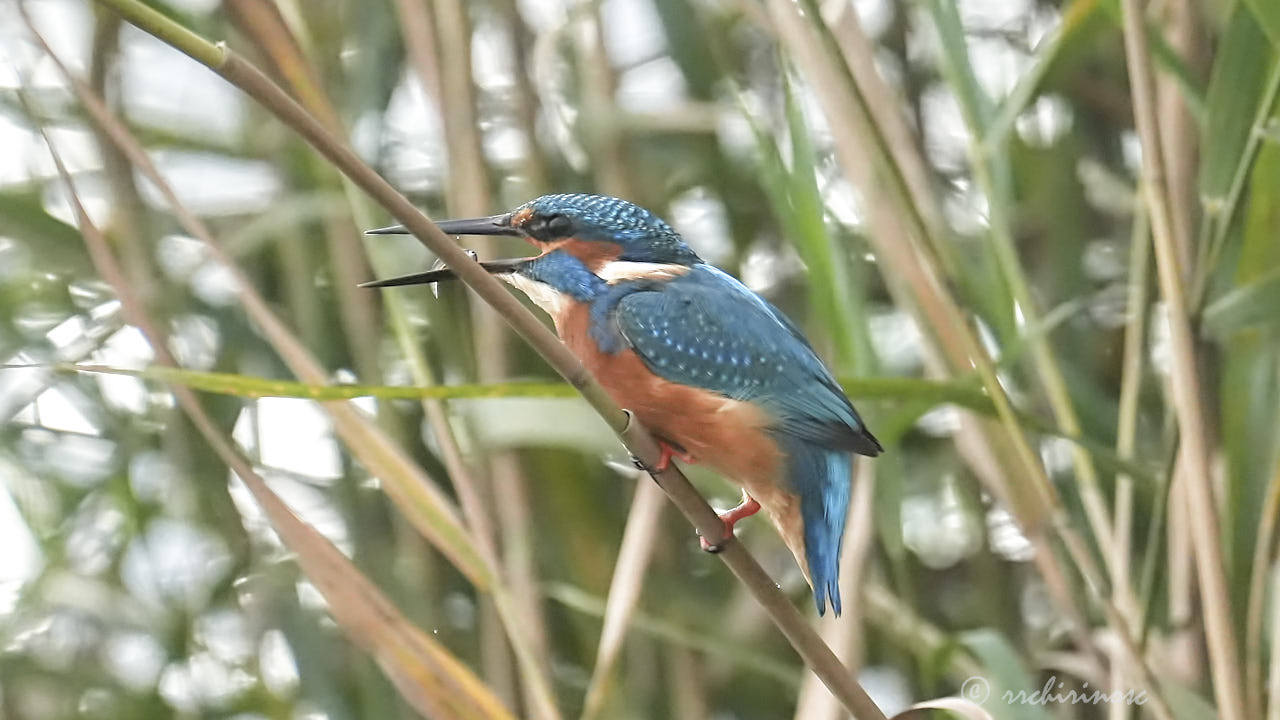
(595, 255)
(547, 247)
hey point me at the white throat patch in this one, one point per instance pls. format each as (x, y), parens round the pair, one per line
(552, 301)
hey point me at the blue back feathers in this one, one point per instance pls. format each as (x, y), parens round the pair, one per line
(707, 330)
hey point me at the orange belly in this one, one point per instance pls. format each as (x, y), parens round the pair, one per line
(730, 436)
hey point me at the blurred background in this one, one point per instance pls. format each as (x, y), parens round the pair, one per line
(909, 180)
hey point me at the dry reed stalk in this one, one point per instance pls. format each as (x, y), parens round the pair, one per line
(1197, 476)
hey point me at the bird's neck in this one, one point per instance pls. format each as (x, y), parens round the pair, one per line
(563, 274)
(556, 280)
(559, 281)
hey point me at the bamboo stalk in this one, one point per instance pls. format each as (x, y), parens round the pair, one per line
(1223, 649)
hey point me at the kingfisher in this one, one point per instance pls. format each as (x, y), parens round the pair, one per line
(718, 374)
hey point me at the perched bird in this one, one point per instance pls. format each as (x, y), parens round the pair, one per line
(718, 374)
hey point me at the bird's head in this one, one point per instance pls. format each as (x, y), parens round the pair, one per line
(598, 231)
(598, 227)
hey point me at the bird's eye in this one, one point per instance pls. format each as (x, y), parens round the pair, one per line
(559, 225)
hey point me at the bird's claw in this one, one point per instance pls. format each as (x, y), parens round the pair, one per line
(666, 451)
(730, 517)
(715, 548)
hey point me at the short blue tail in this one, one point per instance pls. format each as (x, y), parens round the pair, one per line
(823, 480)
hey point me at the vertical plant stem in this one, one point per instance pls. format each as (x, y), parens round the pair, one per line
(596, 74)
(537, 176)
(468, 184)
(1223, 657)
(885, 107)
(1273, 681)
(418, 30)
(128, 211)
(361, 323)
(1179, 133)
(1263, 562)
(638, 540)
(467, 193)
(688, 685)
(1126, 433)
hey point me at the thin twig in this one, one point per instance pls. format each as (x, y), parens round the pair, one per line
(468, 196)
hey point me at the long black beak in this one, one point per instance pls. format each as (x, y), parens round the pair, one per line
(495, 267)
(493, 225)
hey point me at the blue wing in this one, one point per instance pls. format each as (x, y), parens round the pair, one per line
(707, 330)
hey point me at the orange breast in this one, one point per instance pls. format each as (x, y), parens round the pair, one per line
(727, 435)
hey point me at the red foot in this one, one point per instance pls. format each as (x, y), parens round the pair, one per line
(667, 452)
(730, 517)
